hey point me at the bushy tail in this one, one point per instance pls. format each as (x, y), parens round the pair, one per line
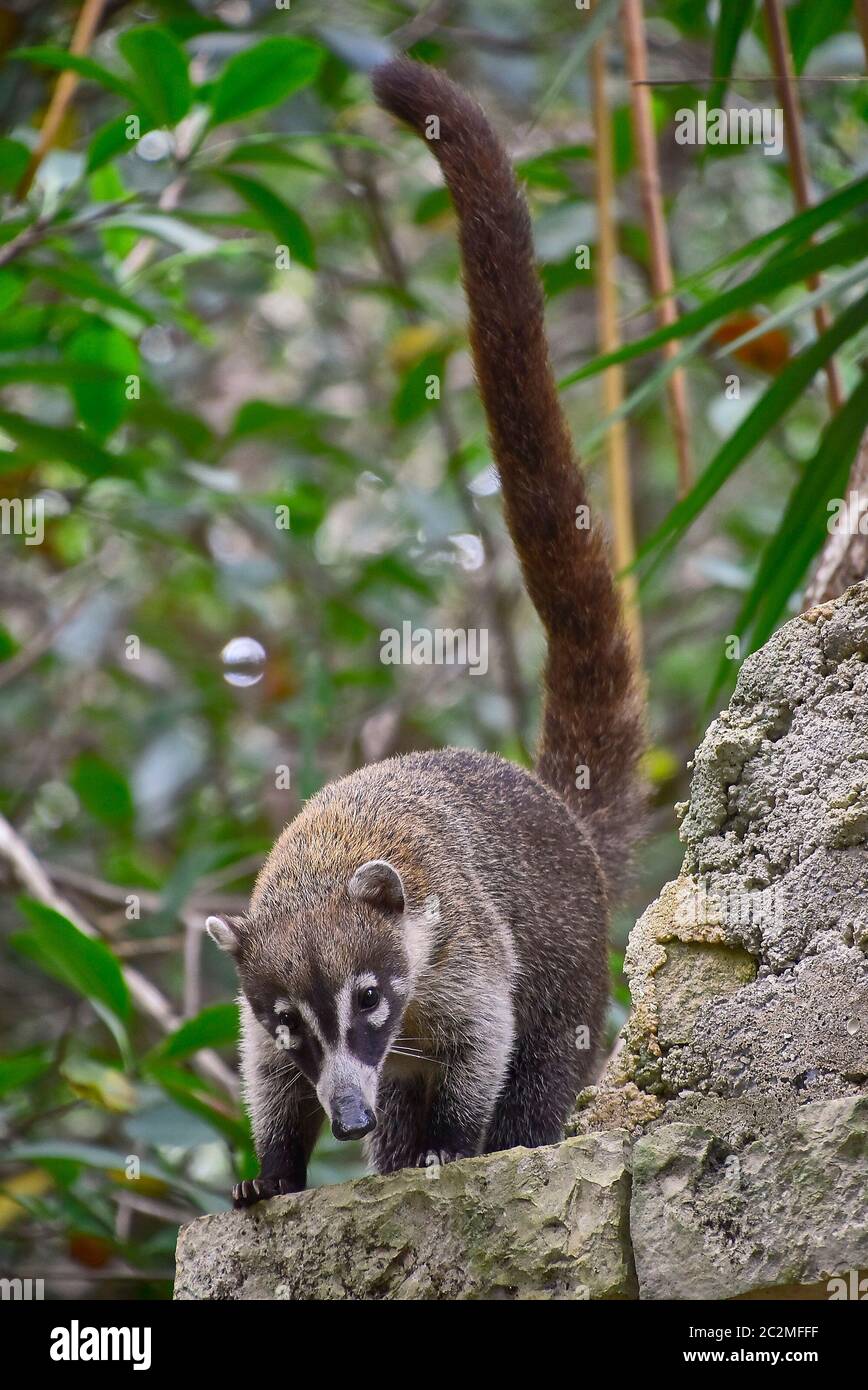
(592, 716)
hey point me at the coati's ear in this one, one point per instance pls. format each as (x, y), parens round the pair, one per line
(379, 884)
(226, 932)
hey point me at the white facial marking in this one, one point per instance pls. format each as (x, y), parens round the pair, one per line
(312, 1022)
(377, 1017)
(344, 1004)
(342, 1071)
(399, 985)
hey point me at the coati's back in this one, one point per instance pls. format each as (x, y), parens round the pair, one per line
(425, 954)
(484, 838)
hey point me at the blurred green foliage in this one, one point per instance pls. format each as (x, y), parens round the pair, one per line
(222, 299)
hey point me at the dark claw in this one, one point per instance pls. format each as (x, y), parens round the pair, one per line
(253, 1190)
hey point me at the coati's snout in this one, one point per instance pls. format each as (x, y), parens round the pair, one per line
(352, 1117)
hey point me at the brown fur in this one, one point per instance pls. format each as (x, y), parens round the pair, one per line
(593, 710)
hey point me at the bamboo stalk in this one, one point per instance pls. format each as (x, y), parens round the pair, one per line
(785, 82)
(621, 507)
(85, 28)
(652, 201)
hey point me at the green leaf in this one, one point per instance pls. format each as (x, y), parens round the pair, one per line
(262, 76)
(47, 56)
(102, 790)
(14, 158)
(168, 228)
(20, 1068)
(113, 139)
(735, 16)
(28, 327)
(216, 1026)
(803, 527)
(188, 1092)
(811, 24)
(288, 225)
(100, 1084)
(82, 284)
(52, 442)
(185, 20)
(432, 204)
(256, 416)
(795, 229)
(12, 285)
(54, 373)
(102, 405)
(846, 245)
(78, 961)
(111, 1161)
(784, 391)
(160, 65)
(271, 152)
(411, 399)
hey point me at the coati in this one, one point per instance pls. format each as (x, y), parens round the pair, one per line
(424, 960)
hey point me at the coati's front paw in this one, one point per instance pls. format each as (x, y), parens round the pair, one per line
(248, 1193)
(435, 1158)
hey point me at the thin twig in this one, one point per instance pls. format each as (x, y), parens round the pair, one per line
(652, 200)
(782, 62)
(45, 227)
(204, 896)
(620, 499)
(422, 25)
(16, 665)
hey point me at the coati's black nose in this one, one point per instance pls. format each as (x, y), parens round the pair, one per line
(351, 1117)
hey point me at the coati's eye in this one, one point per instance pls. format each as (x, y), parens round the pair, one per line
(369, 997)
(289, 1019)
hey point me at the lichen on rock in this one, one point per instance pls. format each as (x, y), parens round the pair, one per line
(547, 1223)
(749, 974)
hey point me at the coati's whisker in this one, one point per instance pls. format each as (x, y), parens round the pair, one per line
(420, 1056)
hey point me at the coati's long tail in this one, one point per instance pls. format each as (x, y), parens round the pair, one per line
(592, 715)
